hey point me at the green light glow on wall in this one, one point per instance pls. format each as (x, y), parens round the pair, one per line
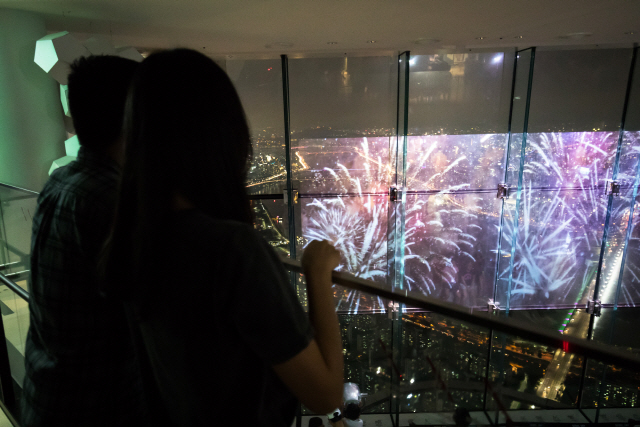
(62, 161)
(72, 146)
(64, 99)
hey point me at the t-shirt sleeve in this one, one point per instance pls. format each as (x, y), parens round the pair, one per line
(265, 308)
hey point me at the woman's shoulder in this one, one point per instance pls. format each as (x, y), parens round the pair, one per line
(197, 226)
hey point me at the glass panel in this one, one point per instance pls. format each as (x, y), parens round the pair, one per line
(342, 97)
(357, 227)
(629, 292)
(466, 93)
(578, 90)
(15, 318)
(558, 245)
(570, 159)
(609, 386)
(570, 154)
(512, 176)
(342, 121)
(16, 212)
(259, 85)
(330, 166)
(460, 104)
(527, 375)
(272, 223)
(456, 162)
(450, 246)
(443, 364)
(366, 343)
(629, 289)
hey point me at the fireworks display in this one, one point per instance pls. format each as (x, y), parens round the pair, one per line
(452, 217)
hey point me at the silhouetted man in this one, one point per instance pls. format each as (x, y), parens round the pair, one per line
(80, 364)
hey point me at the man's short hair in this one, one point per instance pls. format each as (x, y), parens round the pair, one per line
(98, 87)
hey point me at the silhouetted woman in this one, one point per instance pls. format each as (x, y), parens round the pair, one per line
(221, 329)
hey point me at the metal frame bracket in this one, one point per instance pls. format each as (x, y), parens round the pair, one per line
(393, 309)
(294, 195)
(395, 193)
(493, 307)
(612, 188)
(594, 307)
(503, 191)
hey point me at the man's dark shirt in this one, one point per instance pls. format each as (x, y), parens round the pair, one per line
(80, 367)
(219, 318)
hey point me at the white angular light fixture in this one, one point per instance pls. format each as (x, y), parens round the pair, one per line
(55, 53)
(64, 99)
(99, 45)
(130, 53)
(62, 161)
(72, 146)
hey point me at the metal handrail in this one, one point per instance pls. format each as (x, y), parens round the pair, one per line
(14, 287)
(13, 187)
(483, 319)
(590, 349)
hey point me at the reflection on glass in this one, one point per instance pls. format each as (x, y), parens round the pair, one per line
(342, 97)
(527, 375)
(357, 227)
(562, 219)
(578, 90)
(465, 93)
(455, 162)
(16, 216)
(609, 386)
(16, 211)
(366, 343)
(270, 220)
(557, 247)
(450, 241)
(259, 85)
(570, 159)
(443, 365)
(341, 165)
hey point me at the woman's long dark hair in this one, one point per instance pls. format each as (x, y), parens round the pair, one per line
(185, 133)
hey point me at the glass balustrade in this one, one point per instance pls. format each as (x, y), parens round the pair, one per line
(505, 182)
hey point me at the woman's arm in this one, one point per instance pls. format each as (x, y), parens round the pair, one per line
(315, 375)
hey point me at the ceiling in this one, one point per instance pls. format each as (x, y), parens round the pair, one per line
(272, 27)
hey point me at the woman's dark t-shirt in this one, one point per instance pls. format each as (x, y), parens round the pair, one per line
(223, 315)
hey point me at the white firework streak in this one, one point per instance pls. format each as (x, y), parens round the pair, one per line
(543, 263)
(557, 225)
(630, 286)
(357, 227)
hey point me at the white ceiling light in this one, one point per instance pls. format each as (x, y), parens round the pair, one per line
(279, 44)
(576, 36)
(425, 40)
